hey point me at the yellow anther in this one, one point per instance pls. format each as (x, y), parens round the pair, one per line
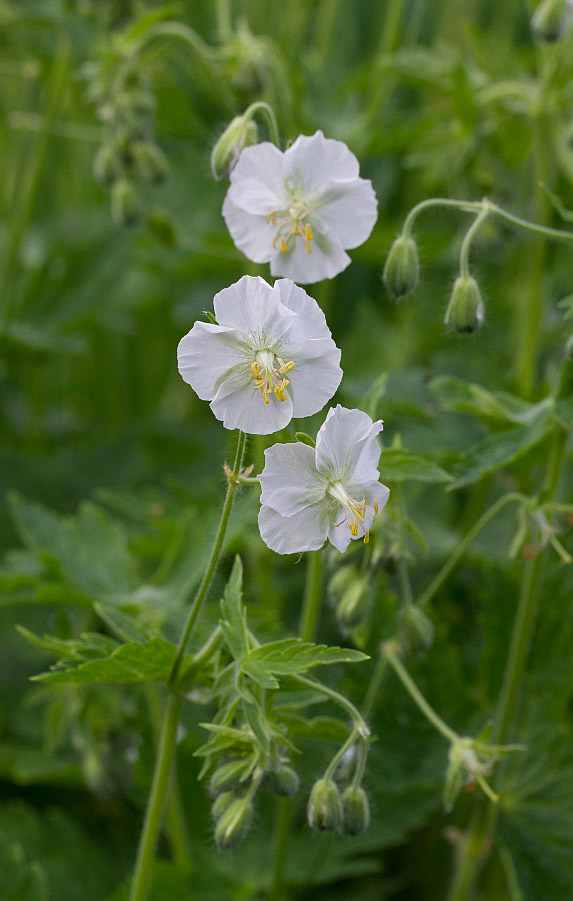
(256, 370)
(264, 394)
(286, 367)
(284, 247)
(375, 505)
(272, 217)
(353, 526)
(366, 536)
(363, 508)
(308, 236)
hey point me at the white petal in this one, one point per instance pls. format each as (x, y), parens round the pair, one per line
(304, 531)
(290, 480)
(207, 354)
(251, 233)
(312, 322)
(257, 180)
(255, 310)
(350, 209)
(327, 258)
(315, 377)
(313, 161)
(239, 406)
(346, 445)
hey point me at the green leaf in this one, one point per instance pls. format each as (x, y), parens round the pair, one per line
(563, 413)
(234, 622)
(500, 450)
(399, 466)
(291, 656)
(454, 394)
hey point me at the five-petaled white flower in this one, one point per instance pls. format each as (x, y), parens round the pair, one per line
(270, 357)
(331, 491)
(300, 210)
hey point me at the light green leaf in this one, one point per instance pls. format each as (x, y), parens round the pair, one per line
(291, 656)
(399, 466)
(454, 394)
(234, 622)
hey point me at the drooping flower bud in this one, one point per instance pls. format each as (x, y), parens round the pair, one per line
(241, 132)
(106, 166)
(354, 605)
(324, 809)
(124, 203)
(227, 776)
(454, 776)
(551, 19)
(284, 781)
(418, 629)
(465, 310)
(355, 811)
(402, 269)
(233, 824)
(220, 804)
(150, 162)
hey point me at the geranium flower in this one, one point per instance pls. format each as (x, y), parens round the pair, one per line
(330, 491)
(300, 210)
(269, 357)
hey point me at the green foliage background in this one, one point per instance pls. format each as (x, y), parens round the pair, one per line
(111, 468)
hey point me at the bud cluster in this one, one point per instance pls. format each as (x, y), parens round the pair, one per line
(330, 811)
(128, 157)
(350, 593)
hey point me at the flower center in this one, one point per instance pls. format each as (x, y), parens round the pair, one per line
(291, 224)
(269, 374)
(355, 509)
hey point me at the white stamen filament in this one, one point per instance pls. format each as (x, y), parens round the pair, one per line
(269, 374)
(356, 510)
(291, 225)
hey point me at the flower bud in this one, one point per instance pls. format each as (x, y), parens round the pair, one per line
(465, 310)
(220, 804)
(227, 776)
(551, 19)
(241, 132)
(106, 166)
(150, 162)
(418, 629)
(284, 781)
(454, 776)
(355, 811)
(402, 269)
(354, 605)
(324, 809)
(124, 203)
(233, 824)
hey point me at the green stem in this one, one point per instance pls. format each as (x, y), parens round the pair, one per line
(311, 603)
(232, 485)
(477, 842)
(417, 695)
(270, 117)
(350, 741)
(462, 547)
(146, 852)
(285, 807)
(355, 715)
(470, 235)
(223, 17)
(375, 685)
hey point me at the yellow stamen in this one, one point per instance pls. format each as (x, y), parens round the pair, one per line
(284, 247)
(308, 236)
(286, 367)
(264, 394)
(256, 371)
(353, 526)
(272, 217)
(366, 536)
(375, 505)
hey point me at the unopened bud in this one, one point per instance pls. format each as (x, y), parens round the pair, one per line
(354, 604)
(227, 776)
(417, 628)
(454, 776)
(240, 133)
(233, 824)
(284, 781)
(551, 19)
(465, 310)
(150, 162)
(355, 811)
(220, 804)
(402, 269)
(124, 203)
(106, 166)
(324, 809)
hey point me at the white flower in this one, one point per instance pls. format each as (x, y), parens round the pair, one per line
(331, 491)
(270, 357)
(300, 210)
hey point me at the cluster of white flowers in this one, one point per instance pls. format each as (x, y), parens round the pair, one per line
(269, 355)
